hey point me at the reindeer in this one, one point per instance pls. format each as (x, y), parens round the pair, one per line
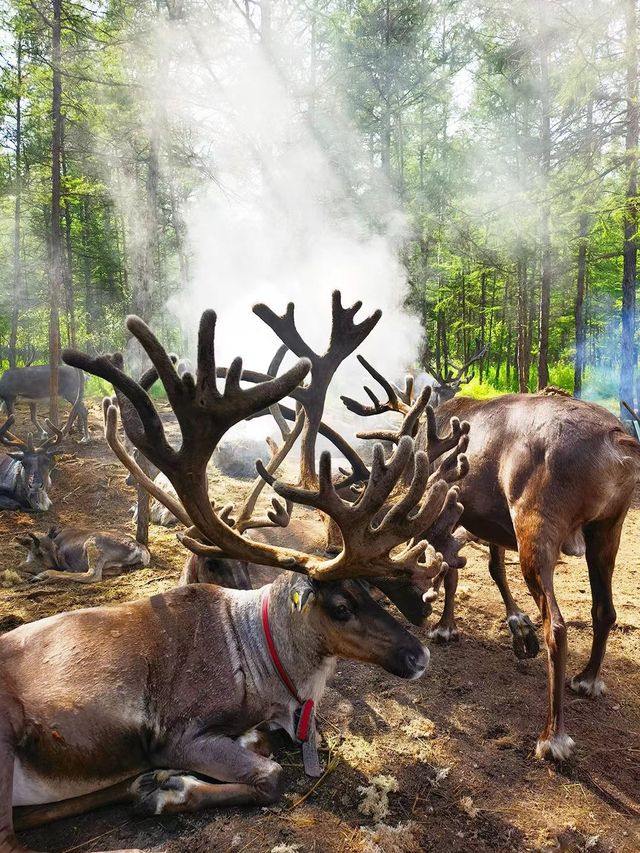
(32, 383)
(25, 471)
(83, 556)
(548, 474)
(444, 386)
(98, 705)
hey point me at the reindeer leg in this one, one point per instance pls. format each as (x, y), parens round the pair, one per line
(446, 630)
(525, 641)
(8, 841)
(538, 556)
(602, 541)
(244, 778)
(34, 420)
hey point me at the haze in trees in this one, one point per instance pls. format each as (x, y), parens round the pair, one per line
(471, 168)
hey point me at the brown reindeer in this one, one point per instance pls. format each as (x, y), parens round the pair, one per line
(82, 556)
(94, 698)
(547, 475)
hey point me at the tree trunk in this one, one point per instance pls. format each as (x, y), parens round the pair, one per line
(578, 373)
(522, 345)
(483, 308)
(17, 236)
(56, 272)
(630, 246)
(545, 236)
(68, 268)
(385, 134)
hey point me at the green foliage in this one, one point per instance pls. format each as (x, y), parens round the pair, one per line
(446, 100)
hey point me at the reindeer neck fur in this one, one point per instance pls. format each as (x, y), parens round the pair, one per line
(298, 644)
(12, 478)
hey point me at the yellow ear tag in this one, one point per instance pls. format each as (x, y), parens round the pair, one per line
(295, 598)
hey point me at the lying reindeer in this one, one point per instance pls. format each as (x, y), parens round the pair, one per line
(25, 477)
(548, 475)
(84, 556)
(93, 698)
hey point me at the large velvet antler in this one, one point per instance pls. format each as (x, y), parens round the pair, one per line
(204, 414)
(346, 336)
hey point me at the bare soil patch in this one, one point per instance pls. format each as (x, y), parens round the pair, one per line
(459, 742)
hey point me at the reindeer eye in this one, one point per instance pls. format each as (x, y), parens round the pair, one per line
(341, 612)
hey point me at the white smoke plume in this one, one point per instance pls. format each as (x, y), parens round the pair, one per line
(283, 216)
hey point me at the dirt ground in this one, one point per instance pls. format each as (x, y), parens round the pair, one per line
(457, 745)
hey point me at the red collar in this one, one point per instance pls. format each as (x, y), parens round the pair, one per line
(306, 707)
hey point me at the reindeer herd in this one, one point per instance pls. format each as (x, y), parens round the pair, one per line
(165, 702)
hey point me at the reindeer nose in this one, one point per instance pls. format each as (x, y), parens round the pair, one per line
(417, 662)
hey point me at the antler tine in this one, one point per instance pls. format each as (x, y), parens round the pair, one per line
(276, 361)
(8, 438)
(110, 415)
(406, 393)
(410, 422)
(150, 375)
(439, 444)
(277, 458)
(278, 516)
(346, 335)
(433, 370)
(393, 404)
(139, 416)
(442, 534)
(479, 354)
(285, 329)
(55, 435)
(161, 361)
(455, 466)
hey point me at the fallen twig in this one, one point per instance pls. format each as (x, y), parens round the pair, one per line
(333, 762)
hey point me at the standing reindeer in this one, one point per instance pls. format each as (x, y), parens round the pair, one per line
(32, 384)
(548, 474)
(174, 681)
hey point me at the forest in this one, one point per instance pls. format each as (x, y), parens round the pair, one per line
(268, 582)
(483, 156)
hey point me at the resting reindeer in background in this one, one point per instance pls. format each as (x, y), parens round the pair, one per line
(548, 474)
(83, 556)
(193, 666)
(25, 471)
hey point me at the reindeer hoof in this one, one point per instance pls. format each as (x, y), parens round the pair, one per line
(556, 748)
(588, 686)
(444, 634)
(525, 639)
(158, 790)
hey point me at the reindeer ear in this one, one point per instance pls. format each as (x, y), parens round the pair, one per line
(302, 594)
(53, 531)
(25, 541)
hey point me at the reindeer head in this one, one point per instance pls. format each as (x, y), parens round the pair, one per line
(445, 385)
(344, 620)
(42, 552)
(36, 462)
